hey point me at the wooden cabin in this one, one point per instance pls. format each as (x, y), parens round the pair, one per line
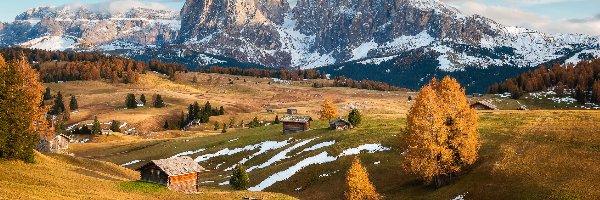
(340, 125)
(292, 111)
(294, 123)
(180, 174)
(58, 144)
(139, 103)
(106, 132)
(483, 105)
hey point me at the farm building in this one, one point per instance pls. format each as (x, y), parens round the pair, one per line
(106, 132)
(340, 125)
(292, 111)
(294, 123)
(58, 144)
(139, 103)
(483, 105)
(178, 173)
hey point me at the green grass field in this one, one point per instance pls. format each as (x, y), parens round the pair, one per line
(524, 155)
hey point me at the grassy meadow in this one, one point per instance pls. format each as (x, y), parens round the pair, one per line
(535, 154)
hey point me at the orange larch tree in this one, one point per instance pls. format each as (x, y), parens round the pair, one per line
(358, 185)
(442, 134)
(328, 110)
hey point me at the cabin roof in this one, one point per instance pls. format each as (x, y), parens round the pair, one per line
(137, 101)
(339, 120)
(296, 119)
(486, 104)
(178, 165)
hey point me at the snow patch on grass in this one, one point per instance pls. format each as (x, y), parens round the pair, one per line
(317, 146)
(281, 155)
(131, 162)
(185, 153)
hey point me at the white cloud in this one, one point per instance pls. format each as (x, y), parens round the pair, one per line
(517, 17)
(118, 6)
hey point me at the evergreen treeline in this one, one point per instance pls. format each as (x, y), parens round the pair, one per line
(583, 77)
(68, 66)
(261, 73)
(342, 81)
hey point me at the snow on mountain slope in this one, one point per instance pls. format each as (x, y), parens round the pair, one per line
(52, 43)
(84, 27)
(309, 34)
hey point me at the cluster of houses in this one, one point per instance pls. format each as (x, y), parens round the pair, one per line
(293, 123)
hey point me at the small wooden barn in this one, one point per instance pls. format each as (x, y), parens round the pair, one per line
(483, 105)
(139, 103)
(58, 144)
(340, 125)
(179, 174)
(294, 123)
(292, 111)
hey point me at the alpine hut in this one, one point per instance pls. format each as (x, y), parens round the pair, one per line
(179, 174)
(340, 125)
(483, 105)
(295, 123)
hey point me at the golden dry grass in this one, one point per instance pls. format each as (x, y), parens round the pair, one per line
(66, 177)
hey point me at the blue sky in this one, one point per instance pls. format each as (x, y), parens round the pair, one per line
(566, 16)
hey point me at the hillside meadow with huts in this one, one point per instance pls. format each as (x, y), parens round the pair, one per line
(294, 140)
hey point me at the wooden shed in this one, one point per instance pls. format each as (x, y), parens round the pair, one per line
(483, 105)
(294, 123)
(179, 174)
(340, 125)
(58, 144)
(292, 111)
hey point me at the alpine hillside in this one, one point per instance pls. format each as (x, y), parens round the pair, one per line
(401, 42)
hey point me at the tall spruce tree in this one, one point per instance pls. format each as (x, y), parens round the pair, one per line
(239, 179)
(277, 121)
(73, 105)
(158, 102)
(221, 110)
(355, 118)
(115, 126)
(130, 101)
(59, 105)
(166, 125)
(96, 128)
(47, 94)
(22, 120)
(143, 99)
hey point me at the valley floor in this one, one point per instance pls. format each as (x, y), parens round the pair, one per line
(536, 154)
(524, 154)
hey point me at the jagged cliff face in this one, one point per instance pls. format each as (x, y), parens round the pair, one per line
(81, 28)
(277, 32)
(314, 33)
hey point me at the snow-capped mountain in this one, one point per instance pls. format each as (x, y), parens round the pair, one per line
(77, 27)
(315, 33)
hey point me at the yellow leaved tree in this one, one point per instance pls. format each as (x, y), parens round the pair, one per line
(328, 110)
(358, 185)
(22, 119)
(442, 134)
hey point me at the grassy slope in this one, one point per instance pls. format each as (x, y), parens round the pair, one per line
(67, 177)
(524, 154)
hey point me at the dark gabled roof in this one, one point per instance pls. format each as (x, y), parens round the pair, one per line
(339, 120)
(178, 165)
(139, 102)
(486, 104)
(296, 119)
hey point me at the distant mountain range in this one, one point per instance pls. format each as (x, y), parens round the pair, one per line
(402, 42)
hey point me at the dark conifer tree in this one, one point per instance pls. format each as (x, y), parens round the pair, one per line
(158, 102)
(130, 101)
(143, 99)
(59, 105)
(73, 105)
(276, 120)
(47, 94)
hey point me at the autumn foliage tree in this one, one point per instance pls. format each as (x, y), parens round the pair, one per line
(22, 120)
(442, 134)
(328, 110)
(358, 185)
